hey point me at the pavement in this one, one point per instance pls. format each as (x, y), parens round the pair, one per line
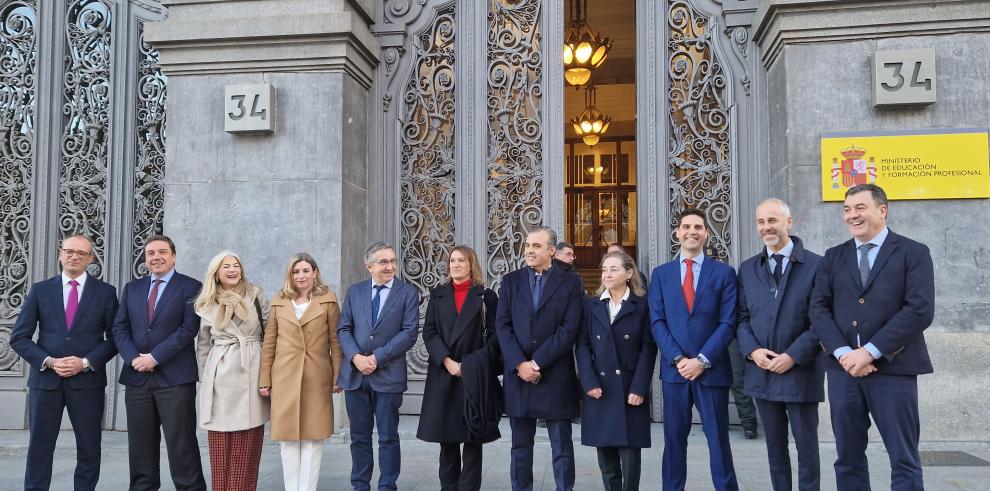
(420, 462)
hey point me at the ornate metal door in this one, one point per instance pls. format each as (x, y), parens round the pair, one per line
(82, 115)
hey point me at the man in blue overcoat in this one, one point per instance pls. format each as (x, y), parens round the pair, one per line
(693, 318)
(784, 372)
(539, 315)
(874, 297)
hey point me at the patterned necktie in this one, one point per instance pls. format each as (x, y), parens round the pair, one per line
(153, 298)
(688, 286)
(778, 269)
(864, 261)
(537, 290)
(376, 302)
(72, 305)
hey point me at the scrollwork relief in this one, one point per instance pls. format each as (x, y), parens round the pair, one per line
(149, 191)
(740, 45)
(427, 165)
(18, 65)
(86, 109)
(515, 126)
(699, 145)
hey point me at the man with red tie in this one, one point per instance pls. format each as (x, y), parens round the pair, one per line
(693, 318)
(72, 314)
(154, 330)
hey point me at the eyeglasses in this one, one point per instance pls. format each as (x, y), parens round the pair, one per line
(75, 253)
(386, 262)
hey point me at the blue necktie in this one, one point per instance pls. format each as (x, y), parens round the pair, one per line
(376, 302)
(864, 262)
(537, 290)
(778, 269)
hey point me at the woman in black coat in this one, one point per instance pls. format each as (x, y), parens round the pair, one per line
(616, 355)
(460, 324)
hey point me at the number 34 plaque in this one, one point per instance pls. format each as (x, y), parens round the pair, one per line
(904, 77)
(249, 108)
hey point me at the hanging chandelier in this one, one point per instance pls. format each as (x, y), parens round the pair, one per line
(591, 124)
(584, 48)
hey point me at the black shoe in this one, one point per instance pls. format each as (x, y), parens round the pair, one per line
(750, 433)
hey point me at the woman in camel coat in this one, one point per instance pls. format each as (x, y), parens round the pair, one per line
(300, 362)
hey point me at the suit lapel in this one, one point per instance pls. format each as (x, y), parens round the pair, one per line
(390, 302)
(313, 310)
(472, 304)
(674, 280)
(704, 278)
(170, 287)
(552, 280)
(604, 328)
(55, 292)
(89, 291)
(889, 247)
(852, 261)
(600, 311)
(628, 307)
(287, 313)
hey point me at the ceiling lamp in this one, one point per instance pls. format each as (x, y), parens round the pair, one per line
(591, 124)
(584, 48)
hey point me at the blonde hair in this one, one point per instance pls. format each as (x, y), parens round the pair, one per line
(635, 282)
(208, 294)
(289, 290)
(477, 274)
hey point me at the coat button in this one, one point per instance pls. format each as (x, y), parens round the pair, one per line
(598, 336)
(603, 374)
(68, 339)
(862, 300)
(626, 336)
(855, 323)
(533, 341)
(618, 372)
(371, 336)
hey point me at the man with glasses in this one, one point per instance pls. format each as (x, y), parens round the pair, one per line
(378, 324)
(72, 313)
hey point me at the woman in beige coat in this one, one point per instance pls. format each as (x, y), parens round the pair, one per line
(229, 354)
(300, 362)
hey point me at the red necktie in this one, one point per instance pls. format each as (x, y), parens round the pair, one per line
(688, 286)
(152, 299)
(72, 304)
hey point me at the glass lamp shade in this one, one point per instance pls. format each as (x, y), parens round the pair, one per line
(590, 140)
(577, 76)
(584, 50)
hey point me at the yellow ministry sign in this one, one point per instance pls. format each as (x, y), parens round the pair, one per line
(917, 164)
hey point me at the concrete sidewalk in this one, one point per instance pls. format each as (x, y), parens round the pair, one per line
(419, 463)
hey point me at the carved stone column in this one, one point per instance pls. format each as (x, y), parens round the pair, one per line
(268, 196)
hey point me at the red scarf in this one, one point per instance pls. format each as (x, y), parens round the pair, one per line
(460, 293)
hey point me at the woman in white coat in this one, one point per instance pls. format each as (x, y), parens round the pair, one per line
(229, 354)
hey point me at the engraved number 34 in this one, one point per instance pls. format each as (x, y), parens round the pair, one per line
(241, 111)
(899, 78)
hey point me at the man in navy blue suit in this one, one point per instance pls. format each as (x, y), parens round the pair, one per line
(154, 330)
(537, 323)
(72, 313)
(783, 369)
(693, 314)
(378, 324)
(874, 297)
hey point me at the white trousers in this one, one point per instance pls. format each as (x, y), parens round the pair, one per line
(301, 464)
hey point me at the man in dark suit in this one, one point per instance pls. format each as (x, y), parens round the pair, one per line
(874, 297)
(693, 313)
(154, 331)
(784, 373)
(537, 323)
(72, 313)
(378, 324)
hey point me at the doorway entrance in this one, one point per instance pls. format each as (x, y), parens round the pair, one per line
(600, 202)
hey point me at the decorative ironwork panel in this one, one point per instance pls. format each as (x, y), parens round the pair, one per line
(86, 108)
(427, 159)
(18, 65)
(698, 150)
(149, 191)
(515, 126)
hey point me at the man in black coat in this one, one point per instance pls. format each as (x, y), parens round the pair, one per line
(874, 297)
(539, 315)
(783, 369)
(72, 314)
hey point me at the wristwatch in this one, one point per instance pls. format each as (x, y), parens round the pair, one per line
(86, 366)
(677, 359)
(705, 364)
